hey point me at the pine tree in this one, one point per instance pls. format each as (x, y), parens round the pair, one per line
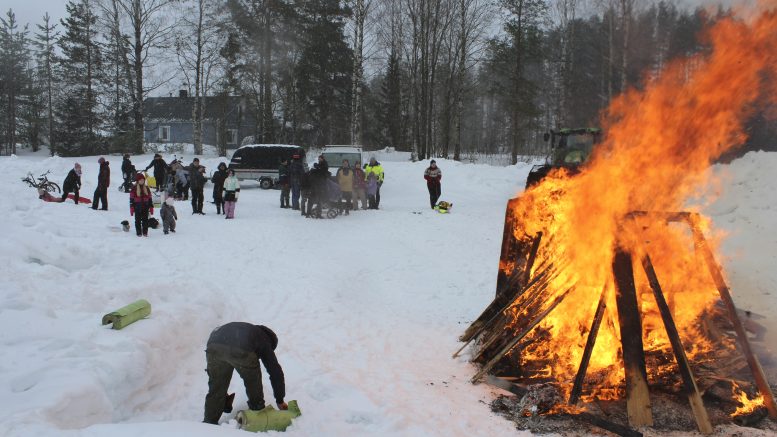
(391, 94)
(81, 66)
(324, 72)
(13, 76)
(44, 43)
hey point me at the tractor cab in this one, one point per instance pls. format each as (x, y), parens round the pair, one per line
(569, 148)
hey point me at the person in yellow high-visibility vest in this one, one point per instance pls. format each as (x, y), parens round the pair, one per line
(374, 168)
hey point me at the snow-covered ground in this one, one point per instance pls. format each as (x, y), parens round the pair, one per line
(367, 307)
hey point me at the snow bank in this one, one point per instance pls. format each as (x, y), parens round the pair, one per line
(368, 307)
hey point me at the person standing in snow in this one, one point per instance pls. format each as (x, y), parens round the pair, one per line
(375, 168)
(359, 186)
(197, 184)
(284, 180)
(319, 180)
(372, 190)
(241, 346)
(231, 192)
(103, 182)
(169, 216)
(160, 168)
(72, 183)
(433, 176)
(345, 177)
(127, 172)
(296, 173)
(141, 205)
(218, 179)
(323, 164)
(305, 192)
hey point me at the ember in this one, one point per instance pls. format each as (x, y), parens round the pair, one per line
(597, 276)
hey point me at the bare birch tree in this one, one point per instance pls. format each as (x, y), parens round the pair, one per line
(151, 29)
(197, 50)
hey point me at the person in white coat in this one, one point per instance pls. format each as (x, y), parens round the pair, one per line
(231, 192)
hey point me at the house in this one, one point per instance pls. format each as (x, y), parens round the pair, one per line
(169, 119)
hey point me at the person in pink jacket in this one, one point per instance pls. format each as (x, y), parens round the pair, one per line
(141, 205)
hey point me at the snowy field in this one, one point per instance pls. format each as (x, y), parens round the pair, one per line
(367, 307)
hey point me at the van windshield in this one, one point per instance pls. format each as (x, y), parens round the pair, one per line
(335, 159)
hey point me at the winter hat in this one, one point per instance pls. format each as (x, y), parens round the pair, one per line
(433, 162)
(140, 177)
(222, 165)
(77, 168)
(101, 160)
(271, 336)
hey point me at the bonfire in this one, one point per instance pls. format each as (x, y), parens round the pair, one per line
(612, 283)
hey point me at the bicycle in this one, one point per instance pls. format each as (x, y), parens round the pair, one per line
(42, 182)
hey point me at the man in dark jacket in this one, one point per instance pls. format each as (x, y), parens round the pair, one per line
(127, 172)
(160, 168)
(197, 183)
(319, 179)
(218, 186)
(103, 181)
(284, 181)
(240, 346)
(296, 173)
(72, 183)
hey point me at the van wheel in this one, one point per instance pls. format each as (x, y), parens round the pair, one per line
(265, 184)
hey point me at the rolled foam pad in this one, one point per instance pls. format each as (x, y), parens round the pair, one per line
(268, 419)
(128, 315)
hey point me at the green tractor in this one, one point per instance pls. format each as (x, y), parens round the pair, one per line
(569, 148)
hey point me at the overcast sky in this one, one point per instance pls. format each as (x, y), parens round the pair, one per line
(31, 11)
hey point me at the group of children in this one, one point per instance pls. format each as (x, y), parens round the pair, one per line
(226, 189)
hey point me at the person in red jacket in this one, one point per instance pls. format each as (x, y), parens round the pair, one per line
(103, 181)
(433, 176)
(141, 205)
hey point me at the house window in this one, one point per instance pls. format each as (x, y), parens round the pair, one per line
(164, 133)
(231, 136)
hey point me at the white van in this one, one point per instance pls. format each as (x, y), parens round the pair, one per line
(334, 156)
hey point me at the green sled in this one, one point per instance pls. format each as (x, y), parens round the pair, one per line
(268, 419)
(128, 315)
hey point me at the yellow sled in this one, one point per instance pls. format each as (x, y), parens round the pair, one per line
(150, 180)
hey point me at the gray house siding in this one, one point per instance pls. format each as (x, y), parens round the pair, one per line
(171, 117)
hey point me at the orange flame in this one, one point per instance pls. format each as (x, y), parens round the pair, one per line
(658, 147)
(746, 405)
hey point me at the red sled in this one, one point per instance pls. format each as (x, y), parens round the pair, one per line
(47, 197)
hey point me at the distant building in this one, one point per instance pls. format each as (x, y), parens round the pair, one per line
(169, 119)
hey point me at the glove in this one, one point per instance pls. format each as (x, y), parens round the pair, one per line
(283, 406)
(151, 210)
(132, 211)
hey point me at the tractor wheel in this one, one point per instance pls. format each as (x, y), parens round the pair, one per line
(265, 184)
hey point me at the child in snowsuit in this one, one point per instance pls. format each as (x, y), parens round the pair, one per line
(372, 190)
(141, 205)
(359, 186)
(72, 183)
(231, 192)
(169, 216)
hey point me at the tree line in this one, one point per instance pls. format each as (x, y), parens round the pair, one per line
(439, 78)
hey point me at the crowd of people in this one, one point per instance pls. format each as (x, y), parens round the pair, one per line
(312, 191)
(352, 187)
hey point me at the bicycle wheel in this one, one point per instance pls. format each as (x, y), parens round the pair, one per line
(52, 187)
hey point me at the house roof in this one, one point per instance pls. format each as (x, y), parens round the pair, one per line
(167, 109)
